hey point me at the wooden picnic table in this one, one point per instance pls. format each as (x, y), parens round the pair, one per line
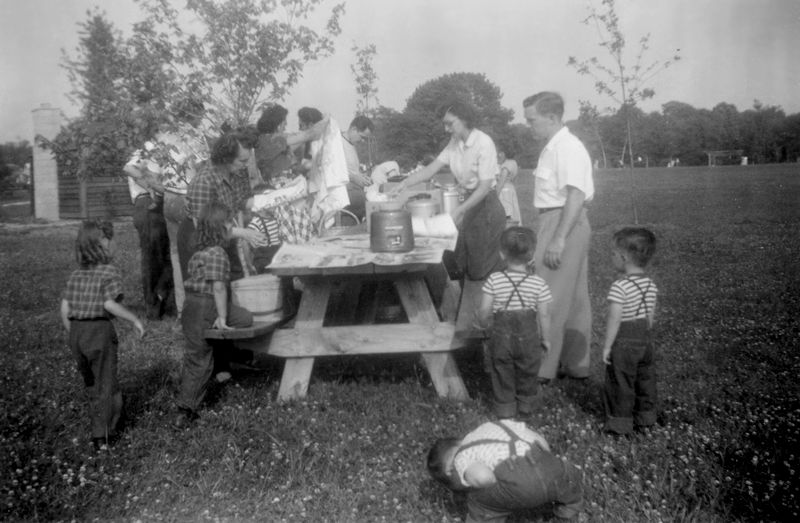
(308, 339)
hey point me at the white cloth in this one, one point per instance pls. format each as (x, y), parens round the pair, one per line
(473, 160)
(328, 177)
(563, 161)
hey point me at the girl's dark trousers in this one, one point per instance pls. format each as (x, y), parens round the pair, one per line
(199, 314)
(629, 394)
(94, 344)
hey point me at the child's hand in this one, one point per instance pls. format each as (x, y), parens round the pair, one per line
(220, 324)
(607, 356)
(139, 327)
(545, 346)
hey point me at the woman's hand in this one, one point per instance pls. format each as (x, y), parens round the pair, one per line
(251, 236)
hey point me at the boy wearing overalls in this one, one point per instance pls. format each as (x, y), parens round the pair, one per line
(506, 467)
(629, 394)
(513, 298)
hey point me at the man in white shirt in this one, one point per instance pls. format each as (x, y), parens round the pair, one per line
(360, 129)
(563, 187)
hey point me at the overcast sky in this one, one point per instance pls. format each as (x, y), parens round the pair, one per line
(732, 51)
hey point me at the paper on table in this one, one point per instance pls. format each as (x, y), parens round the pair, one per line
(354, 250)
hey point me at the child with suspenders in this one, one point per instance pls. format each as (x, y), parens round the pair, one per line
(629, 394)
(516, 307)
(505, 467)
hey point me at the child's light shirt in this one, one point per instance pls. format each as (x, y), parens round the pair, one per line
(489, 444)
(636, 293)
(88, 289)
(205, 267)
(533, 291)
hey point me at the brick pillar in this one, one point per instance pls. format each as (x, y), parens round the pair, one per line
(47, 122)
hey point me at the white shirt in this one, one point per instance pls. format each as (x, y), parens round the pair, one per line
(473, 160)
(563, 161)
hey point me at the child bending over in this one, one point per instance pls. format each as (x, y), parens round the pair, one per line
(629, 395)
(506, 467)
(518, 303)
(90, 300)
(206, 307)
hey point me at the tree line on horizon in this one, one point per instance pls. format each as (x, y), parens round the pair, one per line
(128, 86)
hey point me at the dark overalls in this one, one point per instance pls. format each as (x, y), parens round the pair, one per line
(629, 395)
(514, 358)
(525, 482)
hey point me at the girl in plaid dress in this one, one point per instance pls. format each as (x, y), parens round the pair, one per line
(89, 302)
(206, 307)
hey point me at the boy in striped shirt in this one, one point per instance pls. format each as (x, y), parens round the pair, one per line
(517, 303)
(629, 394)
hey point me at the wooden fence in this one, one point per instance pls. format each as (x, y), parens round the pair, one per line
(106, 197)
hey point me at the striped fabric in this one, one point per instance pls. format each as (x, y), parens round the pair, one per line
(492, 445)
(637, 294)
(266, 226)
(533, 289)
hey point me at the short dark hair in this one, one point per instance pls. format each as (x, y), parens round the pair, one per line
(362, 123)
(437, 466)
(462, 110)
(546, 103)
(309, 115)
(247, 136)
(271, 118)
(225, 149)
(518, 244)
(89, 252)
(212, 225)
(638, 242)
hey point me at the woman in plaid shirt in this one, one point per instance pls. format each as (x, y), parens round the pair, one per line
(206, 307)
(91, 298)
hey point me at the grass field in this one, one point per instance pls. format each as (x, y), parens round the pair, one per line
(726, 447)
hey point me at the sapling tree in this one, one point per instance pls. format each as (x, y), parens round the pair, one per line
(241, 54)
(365, 77)
(624, 84)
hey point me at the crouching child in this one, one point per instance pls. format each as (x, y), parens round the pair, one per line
(506, 467)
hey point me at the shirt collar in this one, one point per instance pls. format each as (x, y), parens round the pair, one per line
(557, 138)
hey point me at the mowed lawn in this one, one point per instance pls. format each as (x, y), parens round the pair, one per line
(725, 449)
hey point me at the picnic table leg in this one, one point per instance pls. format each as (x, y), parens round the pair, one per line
(311, 314)
(442, 367)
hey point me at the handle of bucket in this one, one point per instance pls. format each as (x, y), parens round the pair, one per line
(337, 213)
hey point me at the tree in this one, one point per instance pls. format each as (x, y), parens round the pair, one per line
(419, 131)
(761, 126)
(625, 86)
(589, 120)
(365, 77)
(241, 54)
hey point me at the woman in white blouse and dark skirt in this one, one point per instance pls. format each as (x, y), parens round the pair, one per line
(480, 218)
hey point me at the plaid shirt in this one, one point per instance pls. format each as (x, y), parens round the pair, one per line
(205, 267)
(209, 185)
(88, 289)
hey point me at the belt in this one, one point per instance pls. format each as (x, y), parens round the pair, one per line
(548, 209)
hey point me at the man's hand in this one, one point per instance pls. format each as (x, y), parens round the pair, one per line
(252, 236)
(607, 355)
(552, 255)
(457, 215)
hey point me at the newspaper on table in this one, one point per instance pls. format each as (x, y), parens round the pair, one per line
(353, 250)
